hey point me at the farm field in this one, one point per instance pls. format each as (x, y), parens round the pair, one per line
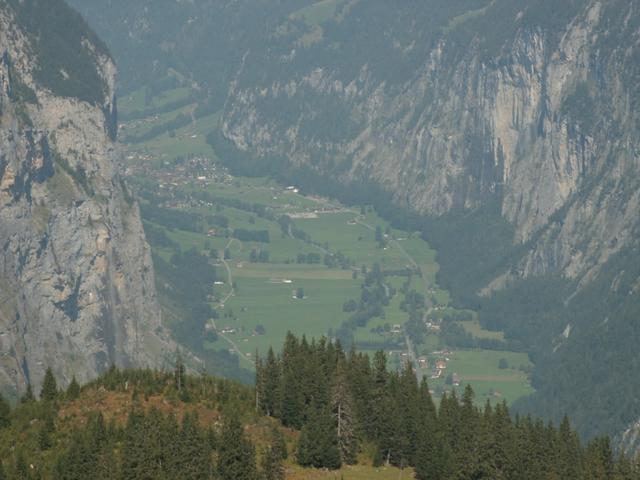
(480, 369)
(318, 12)
(311, 267)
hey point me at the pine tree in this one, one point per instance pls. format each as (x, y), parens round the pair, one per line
(5, 413)
(44, 439)
(271, 464)
(599, 460)
(358, 370)
(429, 455)
(377, 427)
(466, 453)
(259, 384)
(49, 390)
(236, 454)
(342, 406)
(318, 444)
(145, 451)
(3, 474)
(22, 470)
(408, 405)
(569, 454)
(179, 372)
(78, 461)
(272, 378)
(190, 459)
(28, 395)
(73, 390)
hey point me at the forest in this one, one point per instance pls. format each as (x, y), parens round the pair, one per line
(314, 406)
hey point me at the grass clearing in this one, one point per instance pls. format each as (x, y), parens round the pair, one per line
(475, 329)
(318, 12)
(480, 369)
(348, 472)
(258, 301)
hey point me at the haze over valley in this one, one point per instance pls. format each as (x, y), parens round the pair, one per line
(319, 238)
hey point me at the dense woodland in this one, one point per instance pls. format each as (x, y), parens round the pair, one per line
(346, 403)
(314, 404)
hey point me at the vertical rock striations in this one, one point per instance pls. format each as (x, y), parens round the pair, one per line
(541, 121)
(76, 279)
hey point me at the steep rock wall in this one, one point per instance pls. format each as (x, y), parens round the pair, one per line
(76, 280)
(470, 128)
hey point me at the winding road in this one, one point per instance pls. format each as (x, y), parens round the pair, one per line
(231, 293)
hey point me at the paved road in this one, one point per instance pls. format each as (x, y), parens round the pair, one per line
(231, 293)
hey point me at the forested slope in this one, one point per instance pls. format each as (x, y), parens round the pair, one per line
(144, 424)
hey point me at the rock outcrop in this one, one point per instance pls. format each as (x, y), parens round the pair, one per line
(544, 125)
(77, 286)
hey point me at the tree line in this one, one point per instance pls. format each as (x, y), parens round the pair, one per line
(343, 402)
(345, 406)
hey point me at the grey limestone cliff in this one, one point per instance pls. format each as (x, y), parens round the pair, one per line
(544, 125)
(76, 280)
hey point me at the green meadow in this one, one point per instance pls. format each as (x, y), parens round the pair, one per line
(263, 294)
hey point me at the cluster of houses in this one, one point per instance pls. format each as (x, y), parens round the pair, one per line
(432, 325)
(198, 170)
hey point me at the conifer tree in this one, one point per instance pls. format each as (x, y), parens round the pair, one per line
(569, 454)
(271, 380)
(342, 406)
(429, 455)
(73, 390)
(5, 413)
(147, 441)
(318, 443)
(49, 386)
(407, 401)
(360, 382)
(46, 428)
(466, 458)
(236, 454)
(190, 459)
(259, 384)
(179, 372)
(3, 473)
(378, 421)
(272, 468)
(28, 395)
(599, 459)
(22, 470)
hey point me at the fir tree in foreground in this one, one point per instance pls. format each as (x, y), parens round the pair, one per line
(236, 454)
(341, 401)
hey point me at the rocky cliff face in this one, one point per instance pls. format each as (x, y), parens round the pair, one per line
(76, 280)
(525, 111)
(544, 124)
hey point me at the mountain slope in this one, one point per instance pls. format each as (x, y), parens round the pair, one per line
(506, 130)
(512, 126)
(76, 280)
